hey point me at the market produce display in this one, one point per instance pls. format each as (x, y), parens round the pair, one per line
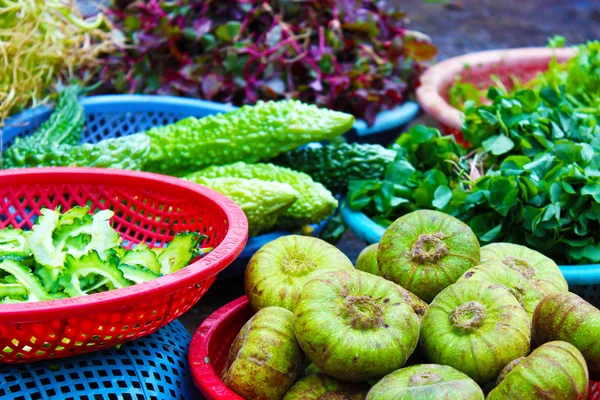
(219, 151)
(76, 253)
(462, 297)
(530, 178)
(489, 332)
(357, 57)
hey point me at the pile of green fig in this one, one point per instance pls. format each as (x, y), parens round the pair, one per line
(424, 314)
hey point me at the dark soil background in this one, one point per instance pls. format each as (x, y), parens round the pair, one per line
(456, 27)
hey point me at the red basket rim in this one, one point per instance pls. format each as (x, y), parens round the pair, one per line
(208, 266)
(439, 76)
(203, 373)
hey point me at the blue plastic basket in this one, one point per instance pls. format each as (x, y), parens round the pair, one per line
(388, 125)
(583, 280)
(113, 116)
(151, 368)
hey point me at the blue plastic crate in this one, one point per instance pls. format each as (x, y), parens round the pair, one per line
(154, 367)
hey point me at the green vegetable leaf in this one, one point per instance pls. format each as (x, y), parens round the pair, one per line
(498, 145)
(592, 190)
(491, 235)
(228, 31)
(442, 197)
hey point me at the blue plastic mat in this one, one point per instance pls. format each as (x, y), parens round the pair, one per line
(154, 367)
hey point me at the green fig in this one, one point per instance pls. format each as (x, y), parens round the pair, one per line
(568, 317)
(553, 371)
(355, 326)
(319, 386)
(277, 272)
(477, 328)
(425, 382)
(265, 359)
(536, 267)
(494, 271)
(426, 251)
(367, 260)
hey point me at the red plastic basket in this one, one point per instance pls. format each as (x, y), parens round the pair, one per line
(478, 68)
(210, 348)
(149, 208)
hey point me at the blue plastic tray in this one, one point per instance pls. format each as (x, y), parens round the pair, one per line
(583, 279)
(121, 115)
(154, 367)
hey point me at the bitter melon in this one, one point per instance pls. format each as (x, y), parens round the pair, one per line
(249, 134)
(262, 201)
(314, 203)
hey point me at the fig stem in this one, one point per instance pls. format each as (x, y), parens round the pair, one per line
(521, 266)
(429, 248)
(297, 264)
(468, 317)
(363, 312)
(424, 378)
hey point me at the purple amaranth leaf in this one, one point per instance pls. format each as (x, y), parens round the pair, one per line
(347, 9)
(356, 54)
(276, 85)
(316, 85)
(211, 84)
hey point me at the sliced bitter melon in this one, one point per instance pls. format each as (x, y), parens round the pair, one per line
(78, 269)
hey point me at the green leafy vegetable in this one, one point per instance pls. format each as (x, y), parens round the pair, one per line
(533, 177)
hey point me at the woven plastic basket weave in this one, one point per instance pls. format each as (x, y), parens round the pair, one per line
(152, 368)
(210, 348)
(149, 208)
